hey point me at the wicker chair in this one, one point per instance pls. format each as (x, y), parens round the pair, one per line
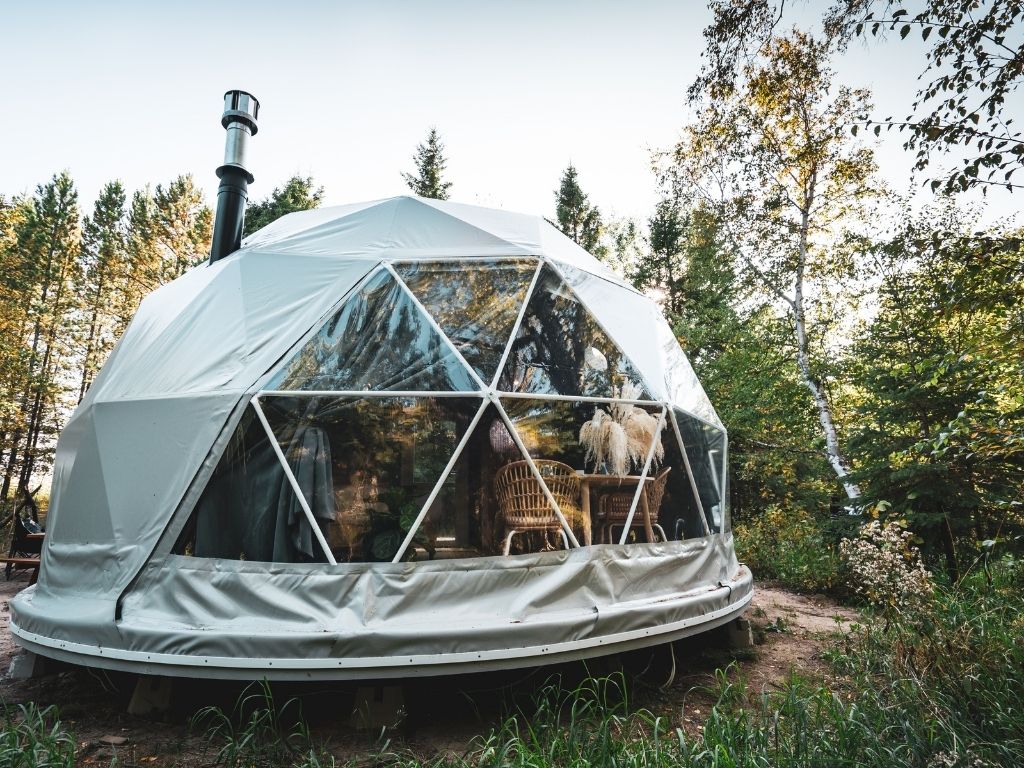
(522, 502)
(614, 508)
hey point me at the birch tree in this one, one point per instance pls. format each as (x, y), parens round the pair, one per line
(772, 150)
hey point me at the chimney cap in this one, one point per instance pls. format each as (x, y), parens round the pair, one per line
(240, 107)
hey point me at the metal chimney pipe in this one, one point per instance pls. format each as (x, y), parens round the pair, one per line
(239, 120)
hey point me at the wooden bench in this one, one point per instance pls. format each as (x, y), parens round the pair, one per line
(23, 562)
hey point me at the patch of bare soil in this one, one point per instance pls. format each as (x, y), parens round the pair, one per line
(431, 716)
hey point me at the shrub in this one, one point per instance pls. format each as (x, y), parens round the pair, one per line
(886, 569)
(788, 546)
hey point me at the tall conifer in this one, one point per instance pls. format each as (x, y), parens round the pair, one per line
(428, 180)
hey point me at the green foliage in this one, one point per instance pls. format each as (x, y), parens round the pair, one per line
(35, 738)
(770, 156)
(68, 288)
(298, 194)
(953, 683)
(43, 254)
(940, 422)
(428, 180)
(775, 455)
(788, 546)
(576, 217)
(104, 252)
(258, 733)
(971, 68)
(947, 693)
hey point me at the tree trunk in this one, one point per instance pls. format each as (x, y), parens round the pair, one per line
(949, 549)
(92, 337)
(835, 456)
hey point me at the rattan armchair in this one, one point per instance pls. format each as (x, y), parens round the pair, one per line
(614, 508)
(524, 506)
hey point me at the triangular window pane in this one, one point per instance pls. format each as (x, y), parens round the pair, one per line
(476, 305)
(705, 449)
(553, 432)
(365, 466)
(379, 340)
(465, 519)
(561, 349)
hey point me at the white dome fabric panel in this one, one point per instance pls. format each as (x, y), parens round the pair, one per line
(420, 228)
(629, 318)
(136, 441)
(136, 458)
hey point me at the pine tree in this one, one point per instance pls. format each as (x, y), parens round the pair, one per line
(430, 164)
(142, 269)
(104, 257)
(182, 226)
(47, 242)
(297, 194)
(576, 217)
(15, 295)
(662, 269)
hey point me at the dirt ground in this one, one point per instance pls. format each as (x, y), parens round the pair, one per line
(435, 715)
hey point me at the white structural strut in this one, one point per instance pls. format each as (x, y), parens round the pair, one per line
(689, 473)
(292, 481)
(440, 482)
(573, 398)
(359, 393)
(536, 472)
(643, 476)
(517, 324)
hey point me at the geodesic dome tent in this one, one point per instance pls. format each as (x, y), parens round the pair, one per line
(353, 449)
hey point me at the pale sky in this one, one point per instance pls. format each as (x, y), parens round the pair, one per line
(133, 90)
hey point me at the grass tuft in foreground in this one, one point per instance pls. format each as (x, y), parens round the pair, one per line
(34, 738)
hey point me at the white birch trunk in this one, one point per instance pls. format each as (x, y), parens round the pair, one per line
(832, 451)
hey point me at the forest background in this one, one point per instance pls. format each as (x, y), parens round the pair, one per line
(863, 344)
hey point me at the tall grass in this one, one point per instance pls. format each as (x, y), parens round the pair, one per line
(34, 738)
(260, 733)
(941, 689)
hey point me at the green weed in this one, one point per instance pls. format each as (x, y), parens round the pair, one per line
(255, 733)
(34, 738)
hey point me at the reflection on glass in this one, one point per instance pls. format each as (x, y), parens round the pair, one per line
(705, 449)
(244, 511)
(561, 349)
(365, 467)
(465, 520)
(476, 305)
(679, 515)
(378, 340)
(551, 431)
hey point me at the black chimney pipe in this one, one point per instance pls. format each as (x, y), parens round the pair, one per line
(239, 119)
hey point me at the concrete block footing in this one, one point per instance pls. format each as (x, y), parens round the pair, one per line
(740, 634)
(26, 666)
(377, 707)
(152, 695)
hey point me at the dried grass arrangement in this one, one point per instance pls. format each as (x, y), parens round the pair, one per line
(620, 437)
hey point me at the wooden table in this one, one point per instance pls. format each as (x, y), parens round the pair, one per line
(29, 561)
(603, 481)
